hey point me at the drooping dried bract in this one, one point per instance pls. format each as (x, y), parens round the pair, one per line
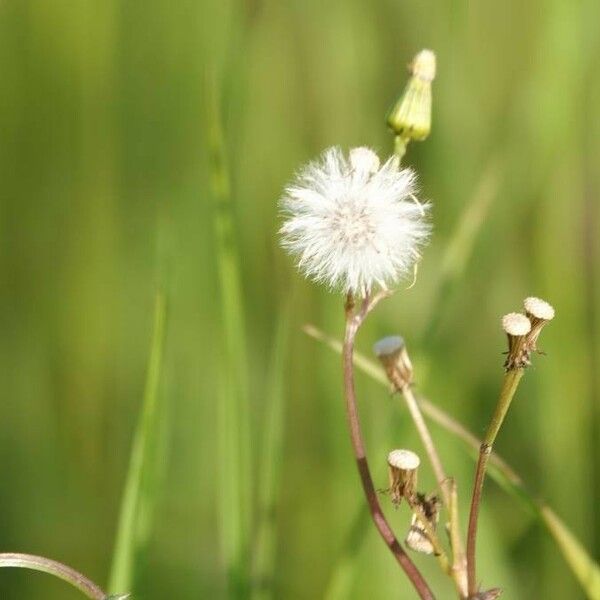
(417, 538)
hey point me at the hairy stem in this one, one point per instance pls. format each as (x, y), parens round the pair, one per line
(52, 567)
(353, 323)
(509, 387)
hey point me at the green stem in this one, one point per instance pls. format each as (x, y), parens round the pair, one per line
(233, 417)
(447, 487)
(264, 553)
(509, 387)
(52, 567)
(134, 506)
(400, 146)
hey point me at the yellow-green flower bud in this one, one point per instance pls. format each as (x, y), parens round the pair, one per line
(410, 118)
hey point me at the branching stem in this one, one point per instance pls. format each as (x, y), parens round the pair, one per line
(447, 487)
(353, 323)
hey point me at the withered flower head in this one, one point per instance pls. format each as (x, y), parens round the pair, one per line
(517, 326)
(391, 351)
(403, 467)
(539, 313)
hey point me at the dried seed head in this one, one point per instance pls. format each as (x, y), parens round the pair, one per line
(516, 324)
(391, 351)
(404, 460)
(417, 538)
(517, 327)
(539, 313)
(410, 118)
(403, 467)
(536, 308)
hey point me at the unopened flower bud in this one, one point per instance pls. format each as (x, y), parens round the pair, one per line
(517, 327)
(410, 118)
(403, 467)
(539, 313)
(391, 351)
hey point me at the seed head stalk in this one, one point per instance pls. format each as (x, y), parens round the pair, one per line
(509, 387)
(353, 323)
(395, 359)
(447, 487)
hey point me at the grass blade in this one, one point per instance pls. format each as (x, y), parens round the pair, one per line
(233, 418)
(270, 466)
(583, 566)
(140, 487)
(462, 241)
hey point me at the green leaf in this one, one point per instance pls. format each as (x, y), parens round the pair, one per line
(140, 492)
(233, 418)
(270, 466)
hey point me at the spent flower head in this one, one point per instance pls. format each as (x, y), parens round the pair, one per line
(403, 467)
(353, 223)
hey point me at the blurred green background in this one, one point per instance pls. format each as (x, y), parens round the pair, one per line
(105, 126)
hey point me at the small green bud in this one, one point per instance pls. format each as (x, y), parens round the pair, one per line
(410, 118)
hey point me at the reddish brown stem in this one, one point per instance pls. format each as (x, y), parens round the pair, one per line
(352, 325)
(484, 454)
(46, 565)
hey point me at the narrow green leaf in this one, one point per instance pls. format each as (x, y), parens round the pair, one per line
(585, 569)
(343, 575)
(583, 566)
(462, 241)
(139, 495)
(233, 417)
(270, 465)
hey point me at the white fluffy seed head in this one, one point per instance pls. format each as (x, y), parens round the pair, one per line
(538, 308)
(352, 223)
(516, 324)
(405, 460)
(364, 160)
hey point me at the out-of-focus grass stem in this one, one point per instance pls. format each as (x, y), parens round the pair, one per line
(233, 427)
(139, 493)
(460, 246)
(270, 465)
